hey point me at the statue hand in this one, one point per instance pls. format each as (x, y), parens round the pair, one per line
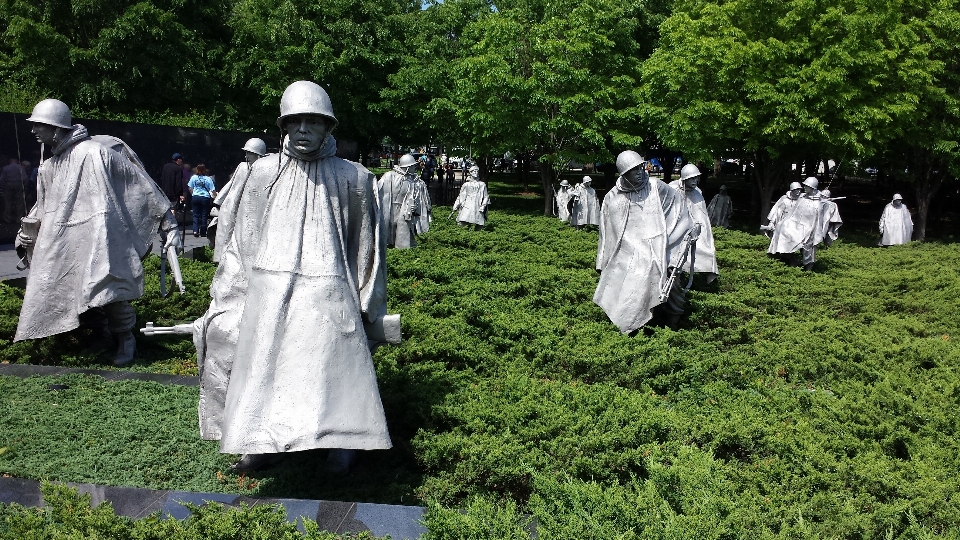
(24, 240)
(695, 231)
(173, 240)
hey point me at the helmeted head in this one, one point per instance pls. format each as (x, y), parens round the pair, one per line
(723, 189)
(257, 146)
(795, 189)
(628, 160)
(306, 98)
(811, 182)
(690, 175)
(474, 172)
(897, 199)
(407, 163)
(826, 193)
(587, 180)
(48, 117)
(564, 183)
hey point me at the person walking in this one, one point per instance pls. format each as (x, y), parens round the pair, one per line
(171, 179)
(202, 192)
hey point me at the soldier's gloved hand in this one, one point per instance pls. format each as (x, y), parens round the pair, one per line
(24, 240)
(173, 240)
(695, 231)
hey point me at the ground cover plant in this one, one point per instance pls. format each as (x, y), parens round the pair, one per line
(787, 404)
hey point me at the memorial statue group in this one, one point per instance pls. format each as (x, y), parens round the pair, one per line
(299, 298)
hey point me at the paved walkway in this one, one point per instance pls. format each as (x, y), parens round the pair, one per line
(334, 516)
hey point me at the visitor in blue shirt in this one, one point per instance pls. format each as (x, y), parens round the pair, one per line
(202, 190)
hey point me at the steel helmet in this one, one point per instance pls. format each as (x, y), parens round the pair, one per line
(795, 185)
(564, 183)
(305, 97)
(628, 159)
(257, 146)
(811, 182)
(825, 193)
(407, 160)
(474, 169)
(723, 188)
(897, 197)
(587, 179)
(689, 171)
(52, 112)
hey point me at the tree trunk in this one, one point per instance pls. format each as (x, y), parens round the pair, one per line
(546, 178)
(927, 184)
(484, 165)
(769, 174)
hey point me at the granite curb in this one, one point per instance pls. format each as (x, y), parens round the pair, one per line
(30, 370)
(399, 522)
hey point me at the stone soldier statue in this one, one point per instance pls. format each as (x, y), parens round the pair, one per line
(399, 203)
(645, 231)
(896, 225)
(221, 227)
(424, 215)
(782, 207)
(801, 228)
(706, 257)
(586, 207)
(720, 209)
(94, 221)
(283, 349)
(472, 202)
(562, 200)
(830, 218)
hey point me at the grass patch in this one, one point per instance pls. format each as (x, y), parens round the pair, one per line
(787, 404)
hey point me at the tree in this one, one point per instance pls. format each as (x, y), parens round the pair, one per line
(116, 56)
(347, 46)
(784, 80)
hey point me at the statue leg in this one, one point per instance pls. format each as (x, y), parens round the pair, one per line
(676, 303)
(808, 256)
(121, 317)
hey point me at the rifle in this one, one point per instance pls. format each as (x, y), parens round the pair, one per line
(689, 244)
(169, 255)
(384, 330)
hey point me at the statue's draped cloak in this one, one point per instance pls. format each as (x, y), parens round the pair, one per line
(562, 200)
(472, 202)
(99, 214)
(586, 207)
(830, 221)
(800, 227)
(641, 233)
(706, 259)
(896, 225)
(720, 210)
(421, 223)
(227, 208)
(780, 210)
(398, 202)
(305, 263)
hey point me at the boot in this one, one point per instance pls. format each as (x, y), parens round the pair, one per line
(808, 267)
(126, 347)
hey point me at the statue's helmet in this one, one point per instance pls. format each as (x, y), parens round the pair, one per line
(723, 188)
(811, 182)
(689, 171)
(305, 97)
(825, 193)
(795, 185)
(407, 160)
(564, 183)
(587, 180)
(897, 197)
(474, 169)
(628, 159)
(52, 112)
(257, 146)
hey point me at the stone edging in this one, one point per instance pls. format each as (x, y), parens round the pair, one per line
(399, 522)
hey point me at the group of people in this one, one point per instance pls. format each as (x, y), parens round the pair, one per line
(577, 205)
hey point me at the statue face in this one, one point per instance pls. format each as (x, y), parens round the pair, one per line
(44, 133)
(306, 132)
(408, 169)
(250, 157)
(897, 203)
(634, 175)
(808, 191)
(691, 183)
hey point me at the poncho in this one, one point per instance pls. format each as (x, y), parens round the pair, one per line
(801, 226)
(586, 207)
(398, 201)
(896, 225)
(285, 364)
(472, 202)
(720, 210)
(421, 222)
(696, 205)
(226, 213)
(641, 233)
(830, 221)
(99, 214)
(562, 200)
